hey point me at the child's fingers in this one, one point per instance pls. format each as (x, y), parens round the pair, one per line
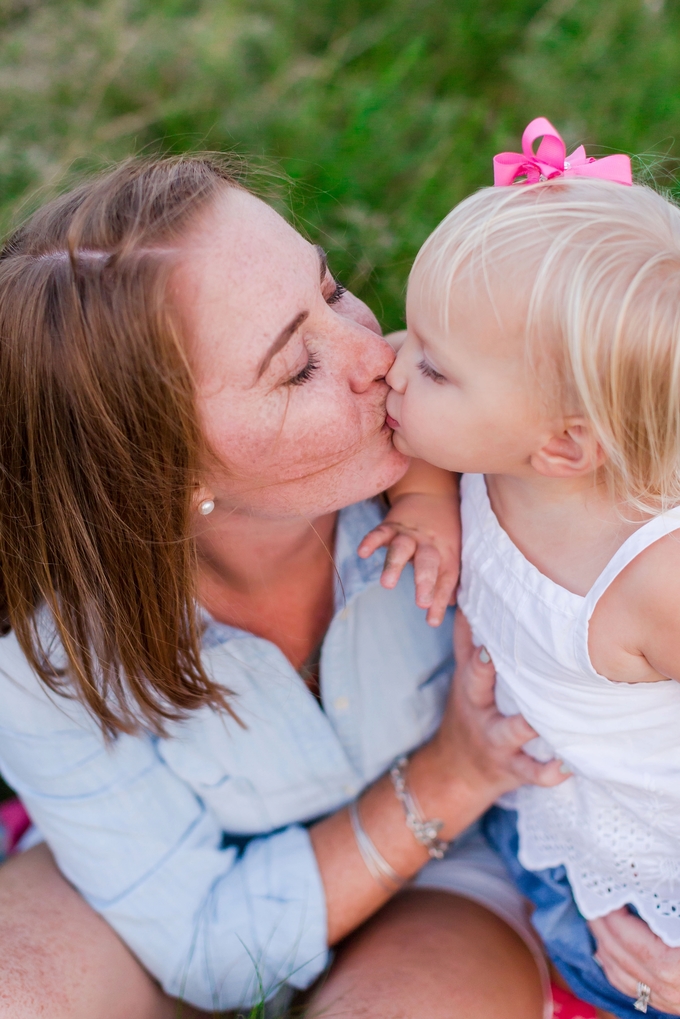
(426, 563)
(400, 550)
(441, 599)
(375, 539)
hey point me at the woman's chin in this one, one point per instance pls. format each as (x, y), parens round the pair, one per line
(375, 474)
(399, 464)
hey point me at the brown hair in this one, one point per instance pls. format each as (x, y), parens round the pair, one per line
(101, 447)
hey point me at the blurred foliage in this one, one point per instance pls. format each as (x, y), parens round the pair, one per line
(376, 115)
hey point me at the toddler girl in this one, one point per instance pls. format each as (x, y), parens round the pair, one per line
(542, 362)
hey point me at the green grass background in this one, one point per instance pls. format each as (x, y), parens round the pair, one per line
(376, 115)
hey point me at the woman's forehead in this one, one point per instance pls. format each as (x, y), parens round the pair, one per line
(242, 234)
(244, 274)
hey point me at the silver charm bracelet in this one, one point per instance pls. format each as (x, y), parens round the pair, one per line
(425, 832)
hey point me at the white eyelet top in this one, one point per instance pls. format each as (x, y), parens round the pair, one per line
(615, 826)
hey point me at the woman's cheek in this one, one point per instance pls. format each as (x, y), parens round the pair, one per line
(316, 425)
(315, 429)
(333, 428)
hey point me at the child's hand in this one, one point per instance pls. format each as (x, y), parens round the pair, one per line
(425, 528)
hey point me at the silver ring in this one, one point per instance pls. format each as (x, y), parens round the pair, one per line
(644, 993)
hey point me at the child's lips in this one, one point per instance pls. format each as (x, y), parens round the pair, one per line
(391, 422)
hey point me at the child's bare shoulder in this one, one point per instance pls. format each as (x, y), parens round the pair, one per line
(635, 629)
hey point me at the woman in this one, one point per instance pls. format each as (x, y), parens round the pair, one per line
(192, 421)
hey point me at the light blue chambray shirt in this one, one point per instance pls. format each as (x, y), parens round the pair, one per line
(139, 827)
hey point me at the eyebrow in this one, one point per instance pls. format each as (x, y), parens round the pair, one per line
(280, 341)
(286, 333)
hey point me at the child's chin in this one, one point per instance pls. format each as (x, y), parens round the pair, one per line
(402, 445)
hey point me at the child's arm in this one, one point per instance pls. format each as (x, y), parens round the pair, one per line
(423, 524)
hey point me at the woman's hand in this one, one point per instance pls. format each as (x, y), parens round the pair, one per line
(629, 952)
(424, 527)
(474, 757)
(475, 744)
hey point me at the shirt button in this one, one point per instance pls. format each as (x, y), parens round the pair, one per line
(341, 703)
(350, 790)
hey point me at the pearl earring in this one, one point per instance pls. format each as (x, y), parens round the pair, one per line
(207, 506)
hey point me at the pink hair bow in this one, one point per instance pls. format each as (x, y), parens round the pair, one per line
(549, 160)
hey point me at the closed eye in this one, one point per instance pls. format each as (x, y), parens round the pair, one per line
(430, 373)
(337, 294)
(305, 375)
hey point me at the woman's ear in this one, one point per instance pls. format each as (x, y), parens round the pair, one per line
(571, 453)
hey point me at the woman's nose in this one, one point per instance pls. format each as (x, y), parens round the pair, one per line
(371, 361)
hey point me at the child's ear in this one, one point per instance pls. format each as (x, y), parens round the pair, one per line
(570, 453)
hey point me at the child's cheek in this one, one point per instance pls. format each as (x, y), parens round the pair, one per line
(415, 431)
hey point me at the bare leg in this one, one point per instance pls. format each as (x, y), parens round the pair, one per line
(431, 953)
(60, 960)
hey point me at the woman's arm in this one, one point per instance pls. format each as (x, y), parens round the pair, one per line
(141, 847)
(216, 927)
(475, 756)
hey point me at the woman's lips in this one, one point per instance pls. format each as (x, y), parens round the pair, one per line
(392, 422)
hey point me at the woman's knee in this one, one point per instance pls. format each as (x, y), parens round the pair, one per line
(58, 958)
(436, 954)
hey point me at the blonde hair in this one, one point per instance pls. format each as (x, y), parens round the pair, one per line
(602, 269)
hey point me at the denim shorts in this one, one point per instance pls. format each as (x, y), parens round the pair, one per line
(564, 932)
